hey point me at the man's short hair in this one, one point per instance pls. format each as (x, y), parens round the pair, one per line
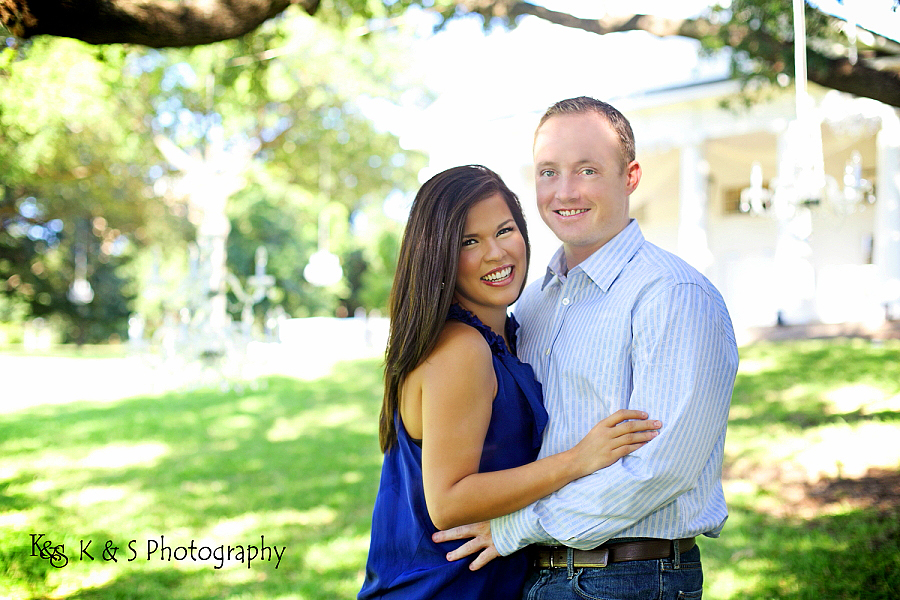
(616, 120)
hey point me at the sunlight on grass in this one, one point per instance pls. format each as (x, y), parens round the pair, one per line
(295, 462)
(860, 397)
(227, 427)
(731, 583)
(339, 553)
(273, 521)
(94, 495)
(833, 450)
(802, 411)
(341, 417)
(739, 488)
(118, 456)
(194, 467)
(751, 366)
(850, 450)
(97, 577)
(346, 554)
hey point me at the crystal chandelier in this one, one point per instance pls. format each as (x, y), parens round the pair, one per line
(801, 177)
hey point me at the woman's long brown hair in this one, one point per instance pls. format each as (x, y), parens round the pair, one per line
(425, 280)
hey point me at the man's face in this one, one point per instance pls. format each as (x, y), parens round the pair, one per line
(582, 185)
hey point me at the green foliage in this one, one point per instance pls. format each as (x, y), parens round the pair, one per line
(77, 146)
(354, 14)
(376, 281)
(369, 271)
(283, 220)
(72, 154)
(760, 34)
(317, 149)
(70, 136)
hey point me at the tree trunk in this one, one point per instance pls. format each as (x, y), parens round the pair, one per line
(157, 24)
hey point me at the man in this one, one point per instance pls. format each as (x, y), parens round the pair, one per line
(616, 323)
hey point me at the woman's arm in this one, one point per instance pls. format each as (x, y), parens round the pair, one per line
(457, 386)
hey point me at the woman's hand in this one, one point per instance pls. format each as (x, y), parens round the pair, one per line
(481, 541)
(619, 434)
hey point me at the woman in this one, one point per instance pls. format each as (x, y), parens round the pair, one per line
(462, 417)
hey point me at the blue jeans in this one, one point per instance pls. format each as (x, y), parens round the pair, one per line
(665, 579)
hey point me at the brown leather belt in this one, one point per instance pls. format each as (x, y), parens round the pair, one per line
(610, 552)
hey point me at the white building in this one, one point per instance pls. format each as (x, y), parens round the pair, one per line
(825, 263)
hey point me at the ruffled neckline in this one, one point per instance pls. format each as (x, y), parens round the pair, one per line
(521, 373)
(494, 340)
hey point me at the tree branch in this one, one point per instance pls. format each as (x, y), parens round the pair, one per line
(859, 79)
(174, 23)
(158, 24)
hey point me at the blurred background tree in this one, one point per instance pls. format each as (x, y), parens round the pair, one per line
(81, 169)
(74, 170)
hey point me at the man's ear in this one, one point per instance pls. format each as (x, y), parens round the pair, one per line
(632, 176)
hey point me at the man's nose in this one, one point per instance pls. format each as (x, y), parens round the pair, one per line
(567, 188)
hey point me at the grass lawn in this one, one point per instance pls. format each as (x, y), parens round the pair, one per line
(812, 479)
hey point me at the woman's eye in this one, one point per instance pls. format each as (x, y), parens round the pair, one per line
(504, 230)
(468, 242)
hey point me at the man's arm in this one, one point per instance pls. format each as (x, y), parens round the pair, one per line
(684, 362)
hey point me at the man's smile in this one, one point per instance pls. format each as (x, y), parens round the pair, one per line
(570, 212)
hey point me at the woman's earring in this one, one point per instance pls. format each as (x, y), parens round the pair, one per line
(442, 285)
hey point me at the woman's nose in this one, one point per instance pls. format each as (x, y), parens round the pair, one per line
(494, 251)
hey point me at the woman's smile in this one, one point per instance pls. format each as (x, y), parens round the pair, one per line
(500, 276)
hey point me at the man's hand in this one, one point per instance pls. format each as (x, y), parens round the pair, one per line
(481, 541)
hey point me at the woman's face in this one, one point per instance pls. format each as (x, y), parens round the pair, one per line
(492, 257)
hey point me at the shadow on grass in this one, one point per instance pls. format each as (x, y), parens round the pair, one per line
(829, 538)
(854, 555)
(784, 383)
(294, 461)
(298, 462)
(878, 488)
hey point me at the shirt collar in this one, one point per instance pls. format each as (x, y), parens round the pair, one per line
(555, 268)
(604, 265)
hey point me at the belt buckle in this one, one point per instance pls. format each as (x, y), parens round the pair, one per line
(605, 559)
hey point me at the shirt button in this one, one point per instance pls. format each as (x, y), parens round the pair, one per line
(565, 301)
(547, 352)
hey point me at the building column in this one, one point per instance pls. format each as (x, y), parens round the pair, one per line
(693, 207)
(887, 212)
(794, 274)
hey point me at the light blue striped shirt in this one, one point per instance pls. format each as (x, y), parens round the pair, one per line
(633, 326)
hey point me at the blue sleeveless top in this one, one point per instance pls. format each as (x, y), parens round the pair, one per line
(404, 563)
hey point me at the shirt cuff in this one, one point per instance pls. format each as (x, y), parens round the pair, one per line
(517, 530)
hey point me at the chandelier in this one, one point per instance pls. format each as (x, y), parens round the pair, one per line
(802, 180)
